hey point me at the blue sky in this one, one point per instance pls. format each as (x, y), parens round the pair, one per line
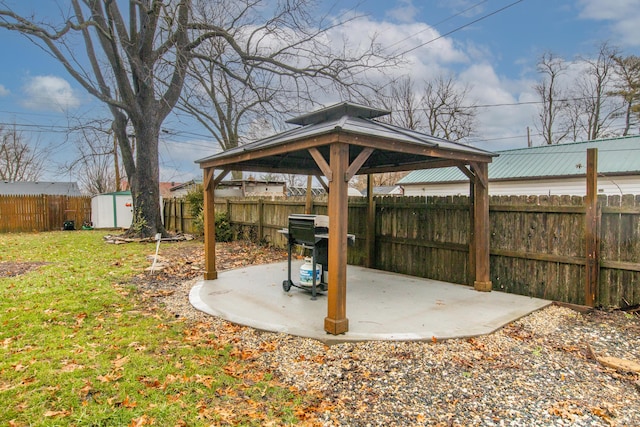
(496, 56)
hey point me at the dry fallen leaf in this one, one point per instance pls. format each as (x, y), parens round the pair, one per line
(50, 414)
(141, 421)
(120, 361)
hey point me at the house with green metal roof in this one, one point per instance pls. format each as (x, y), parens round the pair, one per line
(545, 170)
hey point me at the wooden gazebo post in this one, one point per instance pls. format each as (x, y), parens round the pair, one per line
(210, 272)
(336, 321)
(481, 230)
(209, 184)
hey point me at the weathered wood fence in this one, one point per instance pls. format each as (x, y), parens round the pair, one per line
(538, 244)
(177, 215)
(42, 212)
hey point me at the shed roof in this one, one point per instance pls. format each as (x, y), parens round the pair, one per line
(396, 148)
(616, 156)
(30, 188)
(115, 193)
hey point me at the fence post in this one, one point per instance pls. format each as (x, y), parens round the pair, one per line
(308, 205)
(260, 219)
(182, 230)
(371, 224)
(592, 230)
(47, 213)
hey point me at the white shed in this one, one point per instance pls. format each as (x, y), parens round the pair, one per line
(112, 210)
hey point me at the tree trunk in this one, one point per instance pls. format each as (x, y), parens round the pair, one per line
(145, 181)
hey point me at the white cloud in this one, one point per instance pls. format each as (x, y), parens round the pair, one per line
(177, 159)
(623, 16)
(426, 55)
(4, 91)
(49, 93)
(404, 12)
(503, 125)
(472, 63)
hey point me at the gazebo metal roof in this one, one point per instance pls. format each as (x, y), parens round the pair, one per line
(339, 142)
(396, 148)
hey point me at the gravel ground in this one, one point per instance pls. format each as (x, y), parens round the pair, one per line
(537, 371)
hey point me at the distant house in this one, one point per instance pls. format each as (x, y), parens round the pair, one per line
(35, 188)
(181, 190)
(165, 188)
(386, 190)
(545, 170)
(302, 191)
(235, 188)
(250, 188)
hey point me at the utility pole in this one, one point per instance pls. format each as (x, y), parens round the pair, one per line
(115, 160)
(528, 137)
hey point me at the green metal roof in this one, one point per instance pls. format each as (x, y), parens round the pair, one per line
(615, 156)
(116, 193)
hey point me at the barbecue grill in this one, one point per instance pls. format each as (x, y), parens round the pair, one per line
(310, 232)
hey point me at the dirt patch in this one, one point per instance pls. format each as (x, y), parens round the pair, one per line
(186, 262)
(11, 269)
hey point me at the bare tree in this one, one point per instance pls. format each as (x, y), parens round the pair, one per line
(553, 100)
(229, 97)
(18, 160)
(597, 110)
(94, 166)
(136, 63)
(387, 179)
(627, 87)
(449, 112)
(403, 100)
(441, 107)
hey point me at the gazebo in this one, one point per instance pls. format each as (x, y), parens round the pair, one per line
(336, 143)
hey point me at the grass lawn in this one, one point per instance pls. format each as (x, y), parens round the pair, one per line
(78, 346)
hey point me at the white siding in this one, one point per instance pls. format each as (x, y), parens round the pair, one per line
(264, 189)
(559, 187)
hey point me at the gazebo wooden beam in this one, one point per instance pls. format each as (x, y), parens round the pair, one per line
(221, 176)
(293, 146)
(467, 172)
(377, 143)
(397, 146)
(322, 183)
(426, 164)
(484, 178)
(322, 163)
(355, 166)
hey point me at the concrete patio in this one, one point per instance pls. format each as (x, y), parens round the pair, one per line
(380, 305)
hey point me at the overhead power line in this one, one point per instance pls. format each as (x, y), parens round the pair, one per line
(483, 17)
(436, 24)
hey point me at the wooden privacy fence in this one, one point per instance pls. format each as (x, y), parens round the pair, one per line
(538, 243)
(42, 212)
(177, 215)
